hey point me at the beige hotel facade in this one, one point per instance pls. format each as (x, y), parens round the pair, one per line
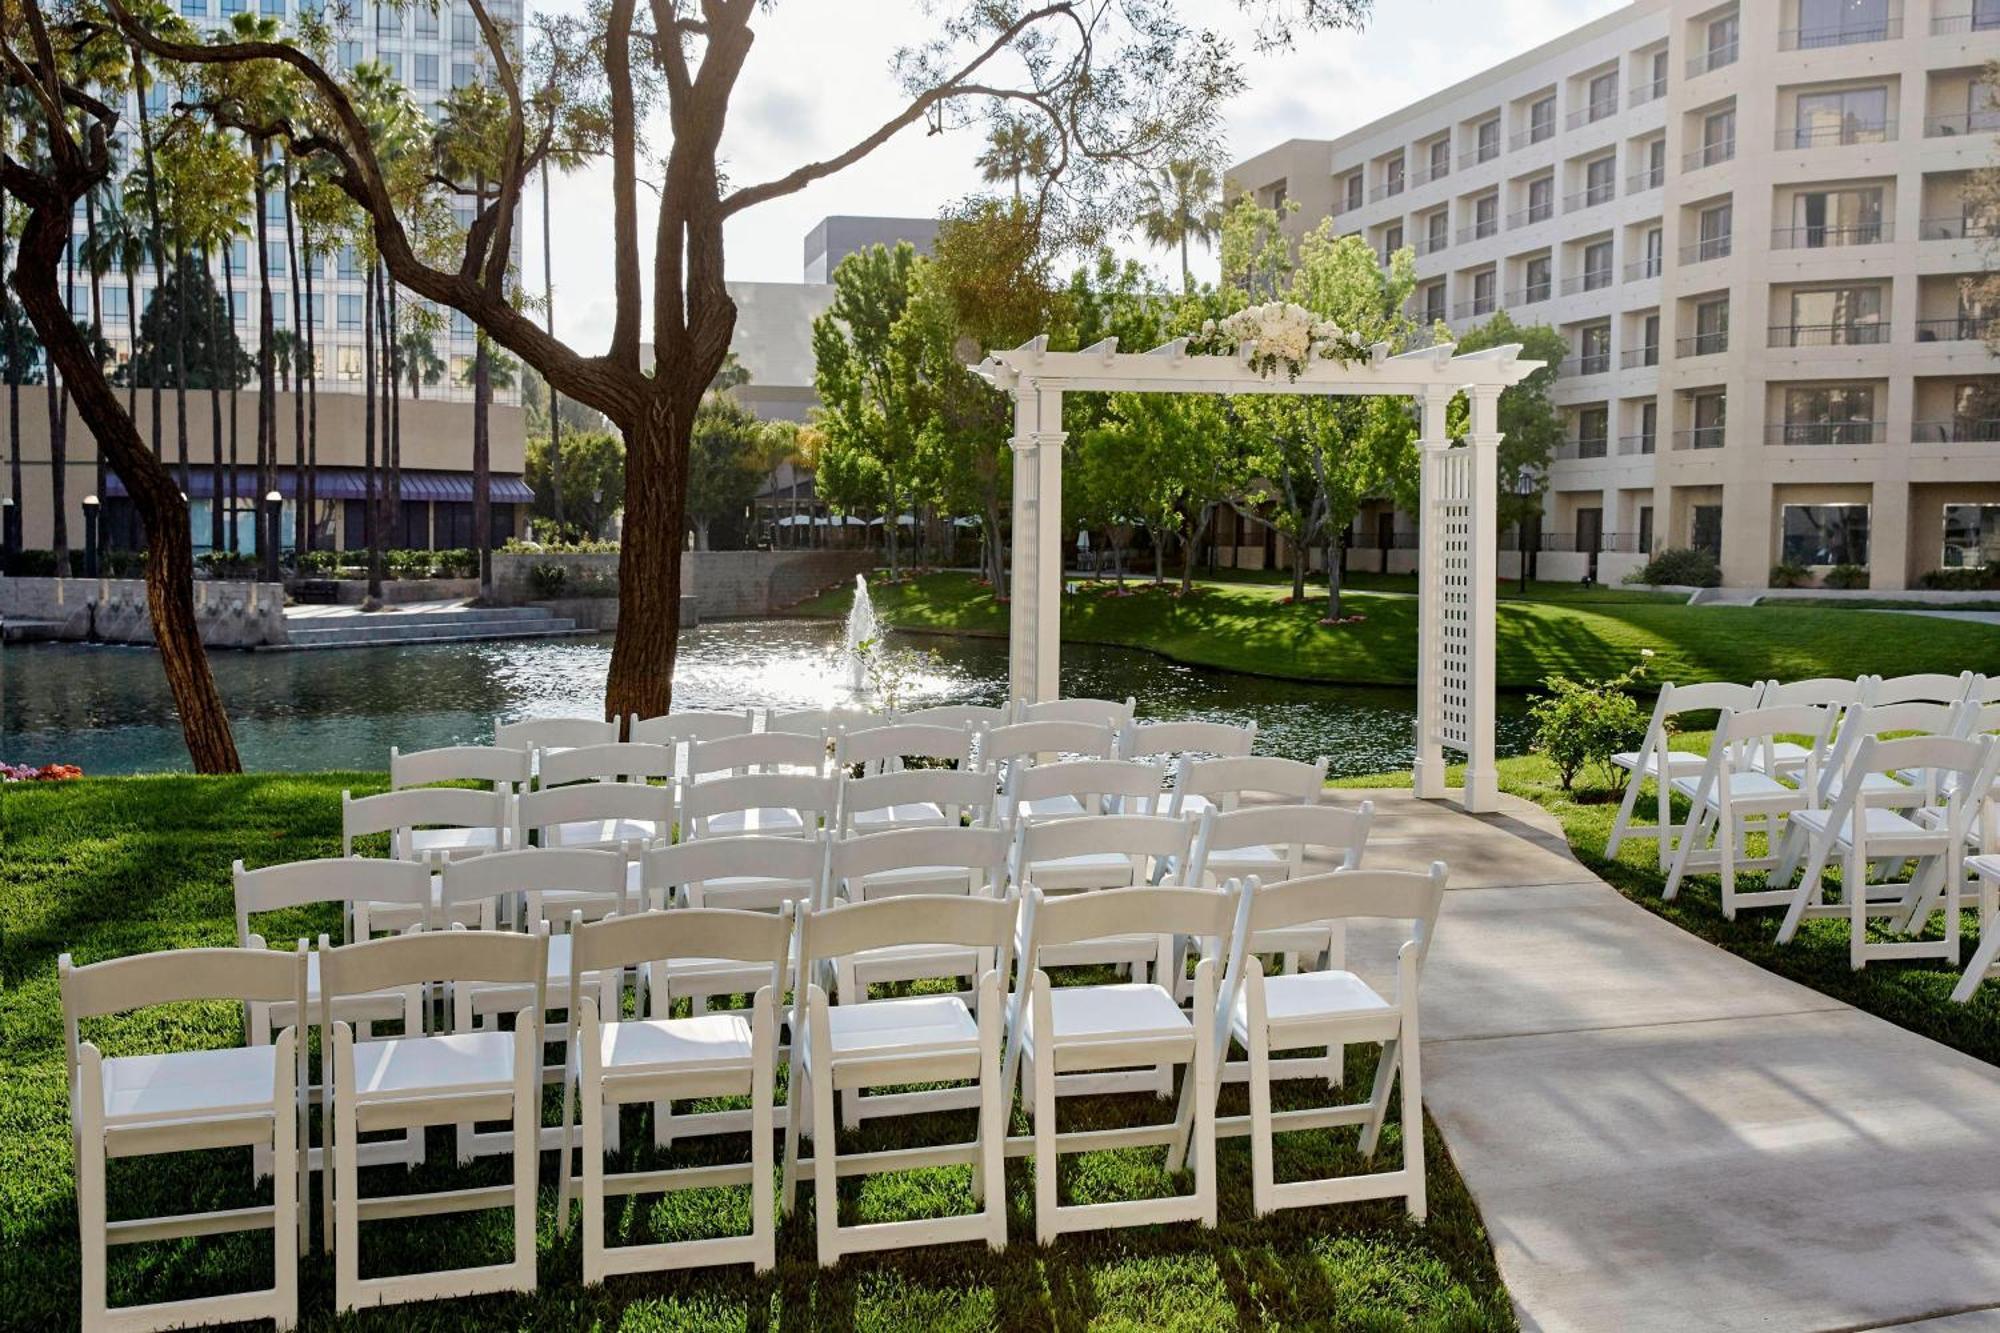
(1748, 222)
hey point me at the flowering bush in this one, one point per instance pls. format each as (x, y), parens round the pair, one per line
(1581, 724)
(1284, 335)
(46, 773)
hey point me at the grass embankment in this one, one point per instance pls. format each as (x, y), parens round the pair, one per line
(107, 867)
(1915, 994)
(1248, 627)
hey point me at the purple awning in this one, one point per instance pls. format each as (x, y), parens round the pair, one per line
(349, 483)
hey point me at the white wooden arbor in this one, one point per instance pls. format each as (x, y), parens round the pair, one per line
(1457, 572)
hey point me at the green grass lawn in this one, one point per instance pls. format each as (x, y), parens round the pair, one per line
(107, 867)
(1246, 626)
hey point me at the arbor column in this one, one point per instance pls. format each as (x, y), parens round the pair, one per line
(1034, 622)
(1427, 774)
(1482, 778)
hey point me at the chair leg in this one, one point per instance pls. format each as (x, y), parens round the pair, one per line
(763, 1076)
(826, 1139)
(527, 1142)
(90, 1201)
(989, 1174)
(1378, 1096)
(285, 1209)
(1413, 1117)
(343, 1177)
(1263, 1171)
(1203, 1076)
(797, 1097)
(590, 1082)
(1854, 886)
(1729, 829)
(1691, 833)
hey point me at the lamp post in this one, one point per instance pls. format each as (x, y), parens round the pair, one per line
(90, 508)
(10, 532)
(274, 526)
(1524, 486)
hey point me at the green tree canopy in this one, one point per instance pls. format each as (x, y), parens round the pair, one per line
(728, 461)
(215, 357)
(1530, 425)
(593, 479)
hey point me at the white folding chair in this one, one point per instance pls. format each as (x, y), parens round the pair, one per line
(427, 822)
(821, 721)
(1858, 832)
(1333, 1008)
(1922, 686)
(1099, 851)
(1732, 790)
(894, 1043)
(355, 884)
(1157, 740)
(1072, 787)
(1222, 784)
(614, 1062)
(554, 733)
(183, 1101)
(885, 748)
(1094, 1031)
(915, 798)
(409, 1082)
(1656, 760)
(1783, 758)
(506, 770)
(595, 815)
(615, 761)
(1985, 962)
(758, 752)
(777, 804)
(970, 717)
(678, 731)
(1022, 743)
(1108, 713)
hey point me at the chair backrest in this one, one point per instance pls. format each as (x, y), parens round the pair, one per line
(347, 880)
(1024, 740)
(1834, 691)
(675, 728)
(763, 872)
(1923, 685)
(1052, 921)
(696, 932)
(458, 763)
(982, 851)
(452, 956)
(759, 752)
(820, 721)
(1223, 739)
(809, 795)
(397, 812)
(1957, 770)
(540, 812)
(1103, 786)
(826, 933)
(1712, 696)
(176, 976)
(978, 717)
(1224, 782)
(954, 791)
(1336, 833)
(615, 761)
(1976, 719)
(896, 741)
(1139, 837)
(1743, 740)
(1100, 712)
(534, 873)
(552, 733)
(1984, 690)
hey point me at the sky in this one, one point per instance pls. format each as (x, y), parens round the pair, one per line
(818, 79)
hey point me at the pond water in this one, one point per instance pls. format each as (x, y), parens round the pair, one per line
(108, 708)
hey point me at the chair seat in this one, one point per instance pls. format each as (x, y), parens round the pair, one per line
(450, 1062)
(1786, 754)
(1092, 870)
(1049, 807)
(1261, 861)
(1194, 805)
(189, 1085)
(1744, 789)
(705, 1041)
(1881, 825)
(1084, 1015)
(1312, 997)
(454, 841)
(760, 820)
(1879, 787)
(916, 1025)
(1986, 867)
(922, 814)
(600, 832)
(1678, 762)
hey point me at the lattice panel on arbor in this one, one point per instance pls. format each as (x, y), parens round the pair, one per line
(1450, 555)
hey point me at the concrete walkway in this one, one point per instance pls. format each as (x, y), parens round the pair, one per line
(1664, 1136)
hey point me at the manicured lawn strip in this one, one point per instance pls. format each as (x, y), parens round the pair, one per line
(1912, 994)
(1887, 604)
(1247, 627)
(103, 867)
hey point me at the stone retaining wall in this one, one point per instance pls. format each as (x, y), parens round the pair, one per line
(724, 584)
(230, 615)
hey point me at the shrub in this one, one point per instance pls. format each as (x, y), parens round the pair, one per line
(318, 564)
(1846, 577)
(585, 546)
(548, 579)
(1961, 580)
(1688, 566)
(1787, 575)
(229, 565)
(35, 564)
(456, 562)
(124, 564)
(1580, 724)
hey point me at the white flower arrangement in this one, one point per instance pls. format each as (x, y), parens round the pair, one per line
(1282, 334)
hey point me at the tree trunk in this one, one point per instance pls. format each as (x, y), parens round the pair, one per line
(59, 462)
(371, 509)
(549, 323)
(1159, 537)
(301, 516)
(996, 550)
(216, 508)
(96, 341)
(482, 463)
(157, 243)
(1333, 577)
(395, 408)
(309, 379)
(649, 558)
(10, 539)
(235, 401)
(267, 371)
(170, 570)
(1300, 557)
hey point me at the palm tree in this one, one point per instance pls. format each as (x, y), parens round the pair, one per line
(1179, 204)
(12, 536)
(122, 241)
(1014, 148)
(421, 363)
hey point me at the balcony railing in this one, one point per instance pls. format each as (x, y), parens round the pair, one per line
(1708, 155)
(1534, 134)
(1827, 432)
(1634, 358)
(1484, 153)
(1641, 269)
(1429, 245)
(1705, 61)
(1844, 135)
(1386, 189)
(1715, 247)
(1478, 305)
(1841, 34)
(1978, 19)
(1624, 543)
(1699, 437)
(1602, 193)
(1593, 446)
(1651, 179)
(1703, 344)
(1590, 115)
(1590, 280)
(1634, 445)
(1826, 238)
(1425, 175)
(1957, 229)
(1532, 294)
(1829, 335)
(1646, 92)
(1591, 363)
(1984, 121)
(1532, 214)
(1963, 328)
(1479, 231)
(1956, 430)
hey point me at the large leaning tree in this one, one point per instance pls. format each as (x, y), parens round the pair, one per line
(72, 130)
(1118, 87)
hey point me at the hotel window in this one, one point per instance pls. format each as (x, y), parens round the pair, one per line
(1655, 252)
(1646, 518)
(1483, 292)
(1649, 434)
(461, 74)
(350, 262)
(1649, 341)
(1594, 351)
(1711, 328)
(1486, 215)
(1437, 230)
(194, 9)
(276, 262)
(1659, 72)
(1542, 120)
(1825, 534)
(1603, 95)
(1971, 536)
(1711, 420)
(349, 55)
(1600, 179)
(1434, 303)
(427, 20)
(1976, 410)
(464, 28)
(461, 324)
(1537, 279)
(388, 21)
(1835, 317)
(1718, 137)
(426, 70)
(1836, 217)
(231, 8)
(1597, 266)
(1838, 22)
(349, 310)
(272, 9)
(1392, 238)
(1489, 139)
(1713, 229)
(1354, 187)
(1440, 158)
(1593, 427)
(117, 309)
(1541, 198)
(461, 369)
(1829, 414)
(1852, 115)
(1721, 41)
(349, 364)
(1705, 529)
(1392, 175)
